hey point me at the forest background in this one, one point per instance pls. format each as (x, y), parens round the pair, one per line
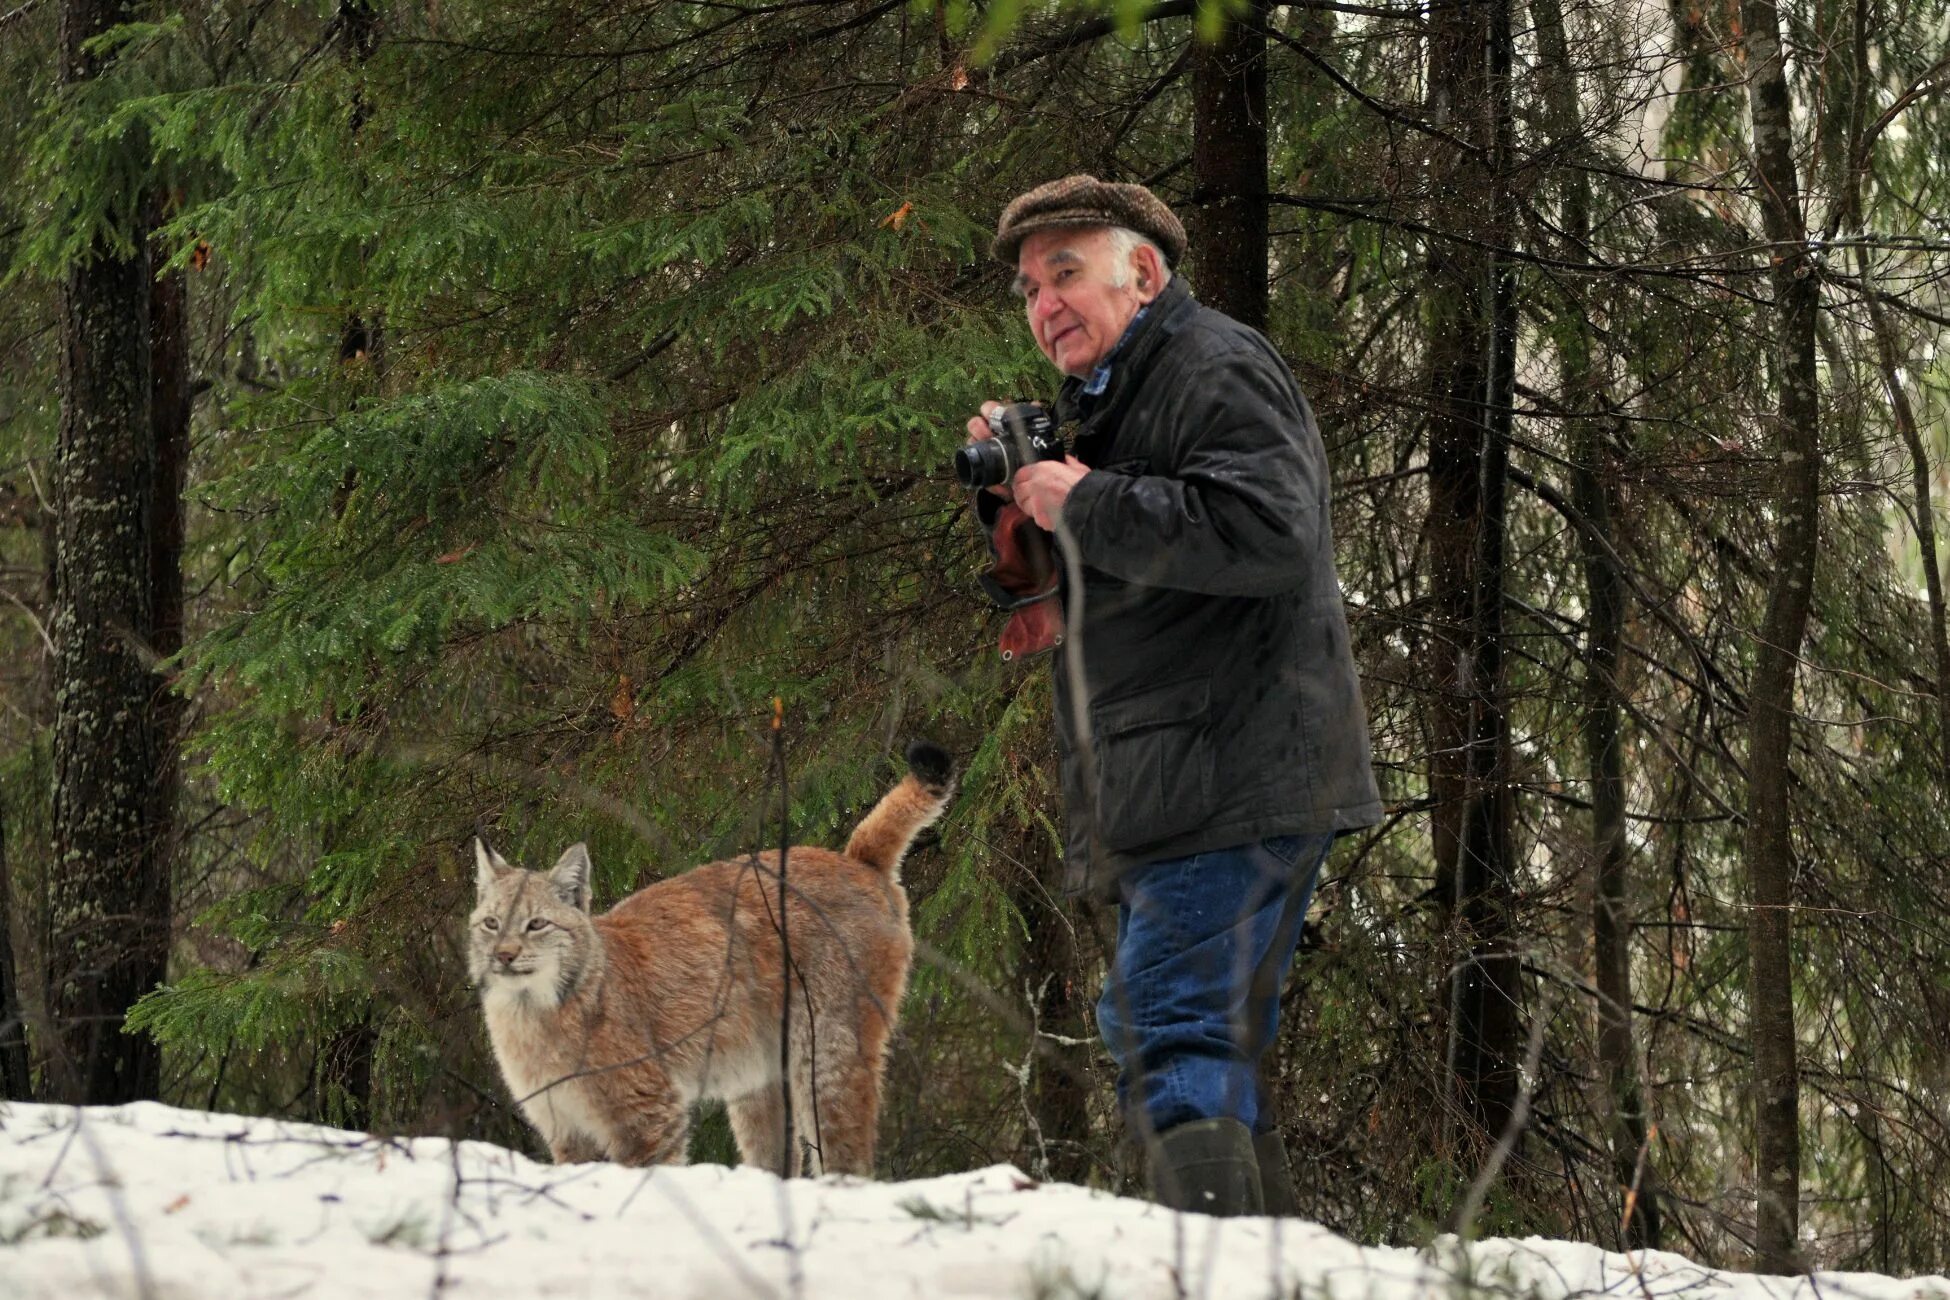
(417, 419)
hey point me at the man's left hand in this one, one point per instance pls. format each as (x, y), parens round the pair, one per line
(1043, 487)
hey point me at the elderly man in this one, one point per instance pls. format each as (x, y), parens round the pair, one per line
(1208, 714)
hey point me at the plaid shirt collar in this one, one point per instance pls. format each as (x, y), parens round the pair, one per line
(1100, 377)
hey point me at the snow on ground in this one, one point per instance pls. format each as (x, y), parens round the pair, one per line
(150, 1201)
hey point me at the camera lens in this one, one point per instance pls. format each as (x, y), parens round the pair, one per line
(982, 464)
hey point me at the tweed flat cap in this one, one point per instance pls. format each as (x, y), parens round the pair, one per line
(1086, 201)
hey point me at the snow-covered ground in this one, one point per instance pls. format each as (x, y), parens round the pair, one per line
(150, 1201)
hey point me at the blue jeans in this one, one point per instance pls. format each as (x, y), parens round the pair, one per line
(1193, 998)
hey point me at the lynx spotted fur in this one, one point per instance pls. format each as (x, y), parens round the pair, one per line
(608, 1028)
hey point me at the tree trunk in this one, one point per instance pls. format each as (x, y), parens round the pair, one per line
(109, 882)
(1229, 238)
(1456, 317)
(1058, 1096)
(1890, 361)
(1230, 245)
(1473, 344)
(345, 1070)
(1852, 173)
(1611, 919)
(1770, 698)
(16, 1079)
(169, 407)
(1594, 491)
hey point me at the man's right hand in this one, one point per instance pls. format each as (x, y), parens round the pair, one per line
(979, 431)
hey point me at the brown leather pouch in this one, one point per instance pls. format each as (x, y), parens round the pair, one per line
(1023, 580)
(1033, 629)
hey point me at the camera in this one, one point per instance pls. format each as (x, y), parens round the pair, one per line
(1024, 432)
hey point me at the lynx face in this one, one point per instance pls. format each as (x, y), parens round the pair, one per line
(529, 935)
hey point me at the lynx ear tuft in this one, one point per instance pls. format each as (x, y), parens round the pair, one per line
(570, 877)
(488, 866)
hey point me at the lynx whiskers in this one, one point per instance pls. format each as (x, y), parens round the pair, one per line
(609, 1028)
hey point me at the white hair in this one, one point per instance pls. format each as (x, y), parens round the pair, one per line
(1125, 241)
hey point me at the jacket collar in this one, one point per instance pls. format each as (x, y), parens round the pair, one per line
(1129, 361)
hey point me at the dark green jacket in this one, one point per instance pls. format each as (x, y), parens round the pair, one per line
(1220, 696)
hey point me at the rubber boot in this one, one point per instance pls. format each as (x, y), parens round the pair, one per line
(1276, 1188)
(1207, 1167)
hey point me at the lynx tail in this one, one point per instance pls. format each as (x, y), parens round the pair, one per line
(881, 840)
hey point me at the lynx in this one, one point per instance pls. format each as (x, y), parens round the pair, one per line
(608, 1028)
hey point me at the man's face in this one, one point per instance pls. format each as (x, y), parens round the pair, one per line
(1076, 311)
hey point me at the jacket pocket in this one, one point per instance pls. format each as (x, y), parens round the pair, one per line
(1154, 763)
